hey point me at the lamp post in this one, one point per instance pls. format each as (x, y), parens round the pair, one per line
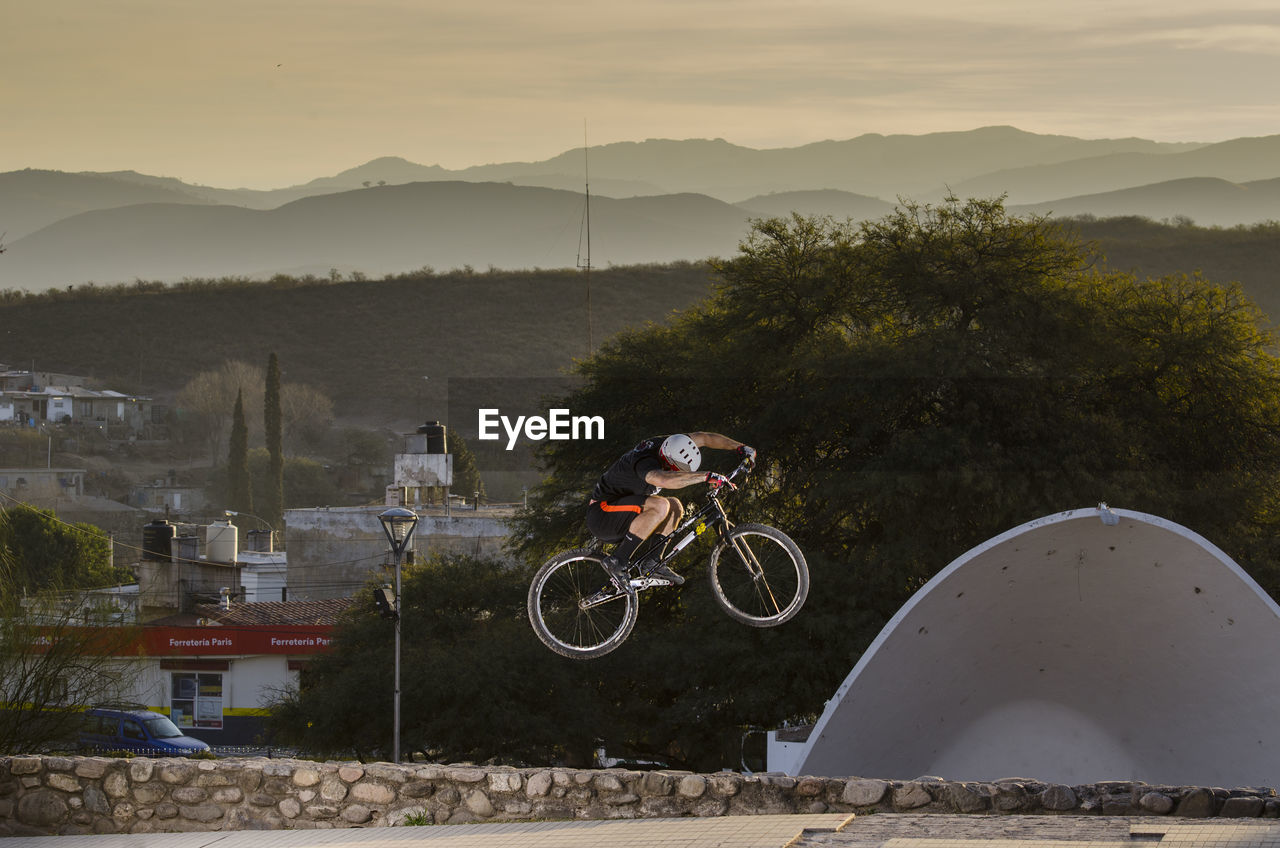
(398, 524)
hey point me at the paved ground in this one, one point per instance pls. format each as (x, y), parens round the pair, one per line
(817, 831)
(941, 831)
(723, 832)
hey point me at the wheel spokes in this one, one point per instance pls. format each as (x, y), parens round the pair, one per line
(578, 613)
(757, 573)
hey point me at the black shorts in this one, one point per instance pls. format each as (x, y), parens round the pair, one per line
(609, 521)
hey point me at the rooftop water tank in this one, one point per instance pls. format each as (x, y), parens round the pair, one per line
(261, 541)
(186, 548)
(221, 542)
(434, 431)
(157, 540)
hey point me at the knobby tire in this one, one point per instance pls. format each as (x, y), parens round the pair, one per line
(759, 576)
(556, 614)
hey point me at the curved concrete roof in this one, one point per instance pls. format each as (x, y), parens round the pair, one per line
(1069, 650)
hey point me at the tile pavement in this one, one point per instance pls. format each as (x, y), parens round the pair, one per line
(893, 830)
(1012, 831)
(722, 832)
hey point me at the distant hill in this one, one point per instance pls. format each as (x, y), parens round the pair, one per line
(1239, 160)
(658, 200)
(390, 169)
(389, 352)
(379, 230)
(872, 164)
(1146, 248)
(875, 165)
(1205, 200)
(446, 225)
(826, 202)
(369, 344)
(32, 199)
(394, 170)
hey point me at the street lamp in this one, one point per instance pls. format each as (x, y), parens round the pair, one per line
(398, 524)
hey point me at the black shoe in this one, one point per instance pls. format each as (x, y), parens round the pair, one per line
(618, 571)
(665, 573)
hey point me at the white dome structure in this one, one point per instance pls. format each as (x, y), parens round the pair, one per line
(1094, 644)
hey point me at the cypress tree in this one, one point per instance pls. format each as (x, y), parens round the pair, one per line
(272, 419)
(238, 479)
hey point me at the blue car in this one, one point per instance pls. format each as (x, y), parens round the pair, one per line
(140, 732)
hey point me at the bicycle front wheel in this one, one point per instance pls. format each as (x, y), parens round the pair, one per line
(576, 610)
(759, 576)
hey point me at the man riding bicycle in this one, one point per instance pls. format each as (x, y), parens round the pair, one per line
(626, 508)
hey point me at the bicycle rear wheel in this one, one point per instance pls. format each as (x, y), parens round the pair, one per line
(759, 577)
(576, 610)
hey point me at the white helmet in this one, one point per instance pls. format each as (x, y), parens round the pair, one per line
(678, 451)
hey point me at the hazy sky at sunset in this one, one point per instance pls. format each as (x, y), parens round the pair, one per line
(267, 93)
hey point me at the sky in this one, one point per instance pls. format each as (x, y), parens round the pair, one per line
(271, 93)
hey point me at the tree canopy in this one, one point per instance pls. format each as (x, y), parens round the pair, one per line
(52, 656)
(921, 383)
(239, 484)
(40, 552)
(915, 386)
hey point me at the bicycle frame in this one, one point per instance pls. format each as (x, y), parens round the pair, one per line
(710, 515)
(757, 574)
(720, 522)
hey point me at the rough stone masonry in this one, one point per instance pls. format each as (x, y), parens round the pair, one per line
(83, 795)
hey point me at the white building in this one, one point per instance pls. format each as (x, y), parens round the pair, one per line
(30, 398)
(214, 671)
(1095, 644)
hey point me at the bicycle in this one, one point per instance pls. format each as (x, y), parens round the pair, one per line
(758, 576)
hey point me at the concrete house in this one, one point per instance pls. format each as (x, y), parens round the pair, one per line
(30, 398)
(42, 486)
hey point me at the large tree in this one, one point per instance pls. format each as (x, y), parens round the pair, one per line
(476, 684)
(915, 385)
(305, 413)
(41, 552)
(238, 480)
(204, 402)
(466, 472)
(54, 652)
(920, 383)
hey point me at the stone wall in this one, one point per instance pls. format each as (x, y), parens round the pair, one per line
(80, 795)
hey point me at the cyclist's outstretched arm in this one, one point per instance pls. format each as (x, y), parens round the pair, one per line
(715, 441)
(675, 479)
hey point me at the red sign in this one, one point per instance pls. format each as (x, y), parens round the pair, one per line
(235, 640)
(212, 641)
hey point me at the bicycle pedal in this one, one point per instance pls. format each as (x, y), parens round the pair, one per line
(666, 575)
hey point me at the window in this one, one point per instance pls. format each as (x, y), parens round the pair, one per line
(196, 700)
(104, 725)
(132, 730)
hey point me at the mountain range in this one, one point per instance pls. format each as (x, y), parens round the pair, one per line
(652, 201)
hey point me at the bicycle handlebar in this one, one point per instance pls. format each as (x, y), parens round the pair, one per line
(744, 467)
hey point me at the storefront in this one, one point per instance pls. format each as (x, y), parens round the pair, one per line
(214, 682)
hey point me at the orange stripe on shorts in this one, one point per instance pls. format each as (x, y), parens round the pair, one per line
(604, 505)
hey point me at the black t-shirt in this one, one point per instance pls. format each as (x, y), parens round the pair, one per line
(626, 476)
